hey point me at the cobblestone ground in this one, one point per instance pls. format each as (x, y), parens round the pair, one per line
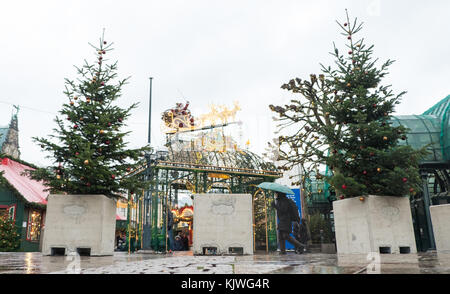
(186, 263)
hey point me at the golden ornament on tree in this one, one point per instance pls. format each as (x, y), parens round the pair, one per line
(86, 162)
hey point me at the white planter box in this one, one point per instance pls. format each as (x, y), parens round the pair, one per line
(223, 222)
(83, 222)
(440, 217)
(380, 224)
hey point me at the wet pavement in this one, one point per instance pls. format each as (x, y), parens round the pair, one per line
(260, 263)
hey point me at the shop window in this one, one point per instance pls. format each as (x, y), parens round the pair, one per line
(12, 213)
(34, 225)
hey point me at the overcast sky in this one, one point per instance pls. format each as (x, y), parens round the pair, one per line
(208, 52)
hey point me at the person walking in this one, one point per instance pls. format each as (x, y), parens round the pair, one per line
(287, 212)
(170, 223)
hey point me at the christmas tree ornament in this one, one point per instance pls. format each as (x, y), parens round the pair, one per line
(344, 187)
(365, 172)
(385, 138)
(72, 103)
(342, 197)
(101, 132)
(113, 177)
(86, 162)
(58, 177)
(362, 199)
(88, 100)
(404, 180)
(75, 98)
(379, 170)
(77, 153)
(75, 126)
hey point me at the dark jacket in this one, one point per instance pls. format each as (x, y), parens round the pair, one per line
(169, 220)
(284, 211)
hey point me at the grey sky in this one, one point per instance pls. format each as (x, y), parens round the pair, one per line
(209, 52)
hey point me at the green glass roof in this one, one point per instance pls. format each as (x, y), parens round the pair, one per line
(423, 130)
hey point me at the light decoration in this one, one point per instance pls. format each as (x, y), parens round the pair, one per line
(180, 119)
(34, 226)
(210, 136)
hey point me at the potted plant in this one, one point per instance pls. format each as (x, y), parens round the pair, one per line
(344, 119)
(91, 161)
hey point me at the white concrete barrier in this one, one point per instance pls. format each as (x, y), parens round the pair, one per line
(223, 224)
(440, 218)
(83, 223)
(380, 224)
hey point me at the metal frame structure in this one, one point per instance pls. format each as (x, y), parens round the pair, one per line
(169, 172)
(196, 171)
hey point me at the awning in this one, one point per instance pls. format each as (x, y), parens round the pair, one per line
(32, 190)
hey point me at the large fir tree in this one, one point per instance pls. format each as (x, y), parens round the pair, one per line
(342, 121)
(91, 156)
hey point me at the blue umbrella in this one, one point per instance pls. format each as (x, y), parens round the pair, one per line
(276, 187)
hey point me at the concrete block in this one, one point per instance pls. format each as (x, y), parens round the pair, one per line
(80, 221)
(223, 221)
(328, 248)
(378, 224)
(440, 218)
